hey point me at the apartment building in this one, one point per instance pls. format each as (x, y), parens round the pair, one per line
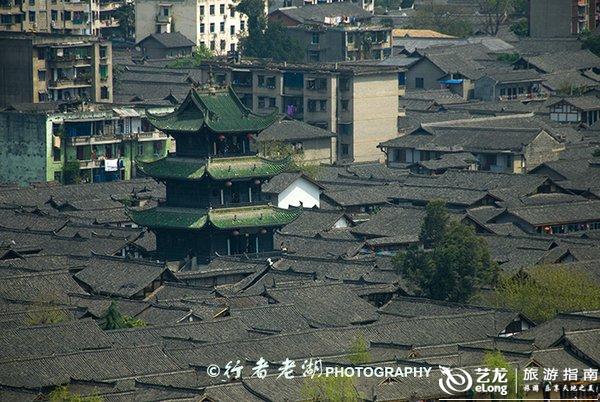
(102, 143)
(76, 17)
(212, 23)
(335, 32)
(358, 103)
(49, 67)
(368, 5)
(561, 18)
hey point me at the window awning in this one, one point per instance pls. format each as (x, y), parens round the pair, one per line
(452, 82)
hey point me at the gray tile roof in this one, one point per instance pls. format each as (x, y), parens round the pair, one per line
(292, 130)
(562, 61)
(170, 40)
(121, 277)
(392, 221)
(469, 139)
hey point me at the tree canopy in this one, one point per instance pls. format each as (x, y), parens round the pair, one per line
(455, 264)
(113, 319)
(442, 19)
(270, 41)
(546, 290)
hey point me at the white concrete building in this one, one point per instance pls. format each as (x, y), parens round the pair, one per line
(212, 23)
(293, 190)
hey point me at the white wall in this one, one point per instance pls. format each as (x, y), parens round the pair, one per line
(301, 190)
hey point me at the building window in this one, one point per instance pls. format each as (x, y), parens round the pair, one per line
(211, 9)
(157, 147)
(104, 93)
(232, 30)
(232, 12)
(212, 27)
(212, 45)
(41, 75)
(223, 45)
(401, 79)
(314, 55)
(272, 102)
(350, 37)
(242, 25)
(261, 81)
(222, 9)
(201, 28)
(315, 38)
(56, 154)
(419, 83)
(67, 16)
(202, 10)
(54, 15)
(271, 82)
(140, 149)
(103, 52)
(222, 27)
(32, 16)
(58, 177)
(345, 103)
(345, 149)
(41, 53)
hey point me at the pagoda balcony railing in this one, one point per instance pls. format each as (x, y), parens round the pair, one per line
(94, 139)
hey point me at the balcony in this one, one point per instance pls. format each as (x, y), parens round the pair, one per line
(76, 6)
(529, 96)
(6, 9)
(94, 139)
(151, 136)
(110, 6)
(70, 83)
(109, 23)
(163, 19)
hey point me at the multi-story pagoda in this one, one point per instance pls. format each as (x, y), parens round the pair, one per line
(214, 204)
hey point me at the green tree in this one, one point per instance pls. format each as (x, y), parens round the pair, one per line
(330, 389)
(457, 265)
(200, 55)
(546, 290)
(62, 394)
(495, 13)
(47, 315)
(496, 360)
(434, 226)
(359, 351)
(591, 42)
(71, 172)
(275, 149)
(125, 15)
(113, 319)
(270, 41)
(441, 18)
(520, 27)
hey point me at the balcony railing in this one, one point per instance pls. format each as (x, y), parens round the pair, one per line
(531, 96)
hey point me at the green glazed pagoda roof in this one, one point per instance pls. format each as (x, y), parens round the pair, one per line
(169, 218)
(221, 218)
(243, 167)
(218, 109)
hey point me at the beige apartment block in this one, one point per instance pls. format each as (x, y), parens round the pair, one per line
(75, 17)
(50, 67)
(358, 103)
(212, 23)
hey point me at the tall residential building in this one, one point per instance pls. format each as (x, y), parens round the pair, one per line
(76, 17)
(335, 32)
(561, 18)
(41, 142)
(212, 23)
(359, 103)
(49, 67)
